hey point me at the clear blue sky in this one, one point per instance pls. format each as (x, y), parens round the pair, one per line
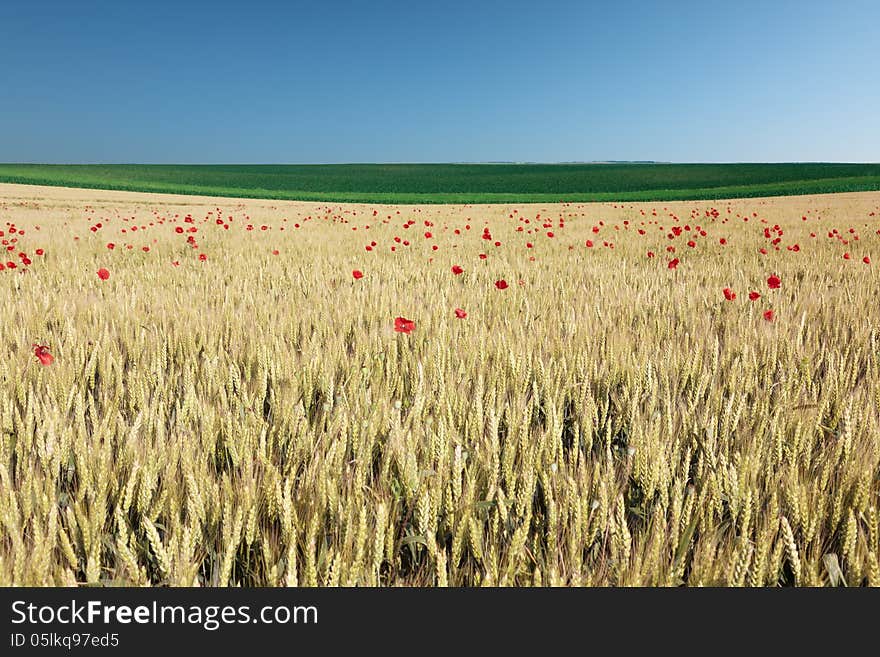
(326, 81)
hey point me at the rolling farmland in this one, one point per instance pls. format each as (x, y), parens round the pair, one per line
(217, 391)
(462, 183)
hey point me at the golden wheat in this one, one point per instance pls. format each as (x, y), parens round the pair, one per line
(255, 420)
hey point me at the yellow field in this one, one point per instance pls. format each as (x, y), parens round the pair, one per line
(255, 419)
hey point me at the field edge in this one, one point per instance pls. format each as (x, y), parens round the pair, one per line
(764, 190)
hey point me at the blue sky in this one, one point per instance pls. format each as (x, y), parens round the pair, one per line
(302, 82)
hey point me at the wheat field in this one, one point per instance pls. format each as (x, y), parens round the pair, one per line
(253, 418)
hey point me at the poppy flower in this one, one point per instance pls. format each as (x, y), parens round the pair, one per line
(729, 294)
(457, 270)
(203, 257)
(358, 274)
(846, 256)
(754, 296)
(768, 315)
(403, 325)
(103, 274)
(111, 245)
(866, 260)
(673, 263)
(501, 285)
(461, 314)
(773, 282)
(42, 353)
(39, 252)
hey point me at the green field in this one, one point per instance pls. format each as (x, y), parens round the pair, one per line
(461, 183)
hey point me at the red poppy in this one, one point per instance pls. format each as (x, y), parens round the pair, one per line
(358, 274)
(768, 315)
(729, 294)
(866, 260)
(846, 256)
(111, 246)
(176, 263)
(403, 325)
(457, 270)
(461, 314)
(650, 254)
(673, 263)
(501, 285)
(39, 252)
(42, 353)
(103, 274)
(773, 282)
(275, 252)
(589, 243)
(203, 257)
(483, 256)
(754, 296)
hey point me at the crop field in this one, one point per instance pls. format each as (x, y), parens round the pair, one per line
(462, 183)
(222, 392)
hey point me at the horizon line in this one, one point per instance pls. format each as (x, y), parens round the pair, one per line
(450, 162)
